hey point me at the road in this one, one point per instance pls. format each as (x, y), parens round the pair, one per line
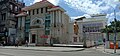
(86, 52)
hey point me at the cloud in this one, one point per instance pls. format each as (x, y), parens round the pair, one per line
(91, 6)
(55, 2)
(111, 17)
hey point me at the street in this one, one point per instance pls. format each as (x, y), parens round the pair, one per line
(86, 52)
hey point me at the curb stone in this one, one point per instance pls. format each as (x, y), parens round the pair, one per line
(46, 50)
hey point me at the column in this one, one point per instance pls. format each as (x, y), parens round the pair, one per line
(23, 21)
(56, 23)
(53, 24)
(53, 17)
(30, 37)
(59, 22)
(19, 21)
(59, 16)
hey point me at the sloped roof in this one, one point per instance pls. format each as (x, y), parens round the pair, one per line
(56, 8)
(38, 5)
(81, 18)
(21, 14)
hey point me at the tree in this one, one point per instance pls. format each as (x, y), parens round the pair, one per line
(110, 28)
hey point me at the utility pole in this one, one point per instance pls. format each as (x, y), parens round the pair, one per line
(115, 32)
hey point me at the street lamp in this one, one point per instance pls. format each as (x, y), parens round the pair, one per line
(115, 32)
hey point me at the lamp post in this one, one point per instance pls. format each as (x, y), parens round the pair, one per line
(115, 29)
(115, 32)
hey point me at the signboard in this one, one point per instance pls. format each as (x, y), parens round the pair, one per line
(44, 36)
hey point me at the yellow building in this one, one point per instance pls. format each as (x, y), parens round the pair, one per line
(48, 23)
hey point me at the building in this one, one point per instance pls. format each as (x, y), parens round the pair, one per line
(89, 30)
(8, 10)
(44, 23)
(22, 31)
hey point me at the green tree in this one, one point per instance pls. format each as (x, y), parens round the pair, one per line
(110, 28)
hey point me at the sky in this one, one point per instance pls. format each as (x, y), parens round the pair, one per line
(77, 8)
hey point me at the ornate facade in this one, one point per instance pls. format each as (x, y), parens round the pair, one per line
(47, 24)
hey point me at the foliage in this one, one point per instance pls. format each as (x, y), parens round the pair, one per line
(110, 28)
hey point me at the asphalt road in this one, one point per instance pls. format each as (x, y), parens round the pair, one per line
(86, 52)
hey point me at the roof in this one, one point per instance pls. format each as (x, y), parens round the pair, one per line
(56, 8)
(43, 3)
(97, 15)
(21, 14)
(81, 18)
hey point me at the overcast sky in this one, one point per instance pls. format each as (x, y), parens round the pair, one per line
(76, 8)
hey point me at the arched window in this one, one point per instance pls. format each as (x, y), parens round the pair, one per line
(37, 22)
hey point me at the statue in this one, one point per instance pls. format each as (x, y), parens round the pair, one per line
(76, 27)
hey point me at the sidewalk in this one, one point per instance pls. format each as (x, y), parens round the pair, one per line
(109, 51)
(67, 45)
(59, 49)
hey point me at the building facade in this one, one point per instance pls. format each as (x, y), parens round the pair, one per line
(89, 30)
(8, 10)
(45, 24)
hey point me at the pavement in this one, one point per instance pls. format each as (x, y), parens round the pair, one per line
(55, 49)
(108, 51)
(68, 45)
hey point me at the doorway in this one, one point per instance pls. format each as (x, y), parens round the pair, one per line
(33, 38)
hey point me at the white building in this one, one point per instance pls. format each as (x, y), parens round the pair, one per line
(48, 24)
(89, 29)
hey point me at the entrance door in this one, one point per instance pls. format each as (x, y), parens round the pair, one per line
(33, 38)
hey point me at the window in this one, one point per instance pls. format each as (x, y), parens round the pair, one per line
(41, 10)
(11, 7)
(37, 11)
(33, 38)
(46, 9)
(29, 12)
(3, 16)
(37, 22)
(75, 39)
(47, 32)
(33, 12)
(16, 8)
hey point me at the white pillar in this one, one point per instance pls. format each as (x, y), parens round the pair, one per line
(60, 23)
(19, 21)
(59, 16)
(53, 25)
(30, 37)
(23, 21)
(57, 22)
(53, 17)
